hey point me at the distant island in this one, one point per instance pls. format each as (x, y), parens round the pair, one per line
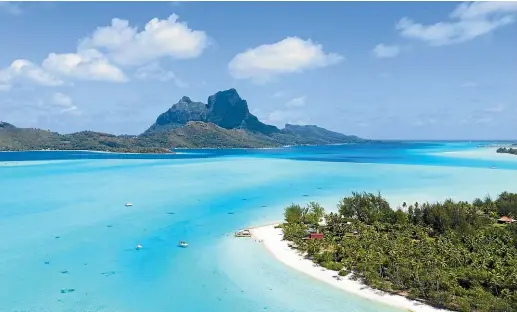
(224, 122)
(455, 255)
(508, 150)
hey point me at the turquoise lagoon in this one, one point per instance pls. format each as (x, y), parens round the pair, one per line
(68, 241)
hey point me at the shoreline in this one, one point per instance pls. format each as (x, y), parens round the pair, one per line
(482, 153)
(271, 238)
(88, 151)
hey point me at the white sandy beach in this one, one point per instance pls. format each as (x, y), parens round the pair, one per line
(485, 153)
(271, 238)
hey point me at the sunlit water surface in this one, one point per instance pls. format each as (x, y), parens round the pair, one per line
(68, 241)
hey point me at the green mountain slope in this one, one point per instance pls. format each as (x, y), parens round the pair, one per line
(225, 122)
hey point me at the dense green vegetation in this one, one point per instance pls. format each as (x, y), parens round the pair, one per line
(451, 255)
(508, 150)
(23, 139)
(225, 121)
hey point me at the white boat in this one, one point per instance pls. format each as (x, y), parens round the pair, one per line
(128, 204)
(138, 246)
(243, 233)
(183, 244)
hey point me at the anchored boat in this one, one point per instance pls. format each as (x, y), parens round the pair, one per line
(183, 244)
(243, 233)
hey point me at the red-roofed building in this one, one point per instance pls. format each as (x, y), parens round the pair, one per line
(316, 236)
(505, 219)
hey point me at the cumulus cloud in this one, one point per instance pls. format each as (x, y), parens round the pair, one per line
(468, 21)
(99, 56)
(153, 71)
(25, 71)
(297, 102)
(291, 55)
(85, 65)
(127, 45)
(386, 51)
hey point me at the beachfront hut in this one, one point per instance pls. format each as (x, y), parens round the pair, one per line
(505, 219)
(316, 236)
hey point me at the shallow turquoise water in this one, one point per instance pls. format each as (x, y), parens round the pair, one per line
(64, 224)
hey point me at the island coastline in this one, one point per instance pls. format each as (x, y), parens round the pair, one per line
(485, 153)
(272, 239)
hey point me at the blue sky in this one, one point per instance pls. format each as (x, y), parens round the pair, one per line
(405, 70)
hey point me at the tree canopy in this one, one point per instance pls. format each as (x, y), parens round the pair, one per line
(450, 254)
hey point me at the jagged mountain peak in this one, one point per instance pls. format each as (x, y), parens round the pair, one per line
(225, 109)
(185, 99)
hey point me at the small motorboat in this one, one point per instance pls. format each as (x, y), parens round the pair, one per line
(243, 233)
(138, 247)
(128, 204)
(183, 244)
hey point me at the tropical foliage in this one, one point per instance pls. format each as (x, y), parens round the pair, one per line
(508, 150)
(451, 254)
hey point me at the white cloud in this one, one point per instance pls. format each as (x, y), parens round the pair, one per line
(468, 21)
(291, 55)
(297, 102)
(117, 43)
(153, 71)
(482, 9)
(64, 104)
(386, 51)
(159, 38)
(85, 65)
(25, 71)
(12, 8)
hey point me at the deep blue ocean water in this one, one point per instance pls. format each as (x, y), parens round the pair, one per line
(64, 226)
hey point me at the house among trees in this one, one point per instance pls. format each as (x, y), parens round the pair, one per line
(505, 219)
(315, 236)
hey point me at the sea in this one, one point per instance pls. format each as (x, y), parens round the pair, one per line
(68, 242)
